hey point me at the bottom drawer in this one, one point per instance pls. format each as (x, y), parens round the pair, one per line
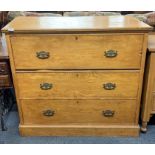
(4, 81)
(46, 112)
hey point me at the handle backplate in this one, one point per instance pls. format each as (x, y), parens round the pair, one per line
(108, 113)
(43, 55)
(109, 86)
(110, 53)
(48, 113)
(46, 86)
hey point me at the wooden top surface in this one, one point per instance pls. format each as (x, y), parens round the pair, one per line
(75, 24)
(3, 49)
(151, 42)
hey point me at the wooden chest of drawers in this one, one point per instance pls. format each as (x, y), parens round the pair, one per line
(148, 98)
(77, 75)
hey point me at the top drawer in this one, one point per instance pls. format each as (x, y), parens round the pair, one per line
(118, 51)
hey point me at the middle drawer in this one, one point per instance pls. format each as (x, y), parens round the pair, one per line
(78, 84)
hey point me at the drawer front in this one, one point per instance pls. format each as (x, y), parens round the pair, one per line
(78, 111)
(3, 68)
(77, 51)
(4, 81)
(83, 85)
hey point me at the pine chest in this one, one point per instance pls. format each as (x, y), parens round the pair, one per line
(79, 76)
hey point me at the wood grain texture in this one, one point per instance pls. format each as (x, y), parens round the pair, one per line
(75, 24)
(7, 37)
(147, 82)
(151, 42)
(77, 70)
(148, 103)
(79, 112)
(148, 91)
(79, 130)
(77, 51)
(144, 50)
(83, 85)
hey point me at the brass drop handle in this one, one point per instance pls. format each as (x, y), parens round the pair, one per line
(109, 86)
(42, 55)
(46, 86)
(110, 53)
(48, 113)
(108, 113)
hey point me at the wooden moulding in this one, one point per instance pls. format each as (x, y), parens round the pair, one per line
(87, 24)
(74, 130)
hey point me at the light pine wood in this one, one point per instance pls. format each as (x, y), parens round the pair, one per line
(75, 24)
(144, 50)
(148, 92)
(78, 75)
(77, 51)
(7, 37)
(151, 42)
(83, 85)
(79, 112)
(79, 130)
(148, 100)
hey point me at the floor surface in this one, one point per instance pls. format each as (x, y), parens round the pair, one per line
(11, 136)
